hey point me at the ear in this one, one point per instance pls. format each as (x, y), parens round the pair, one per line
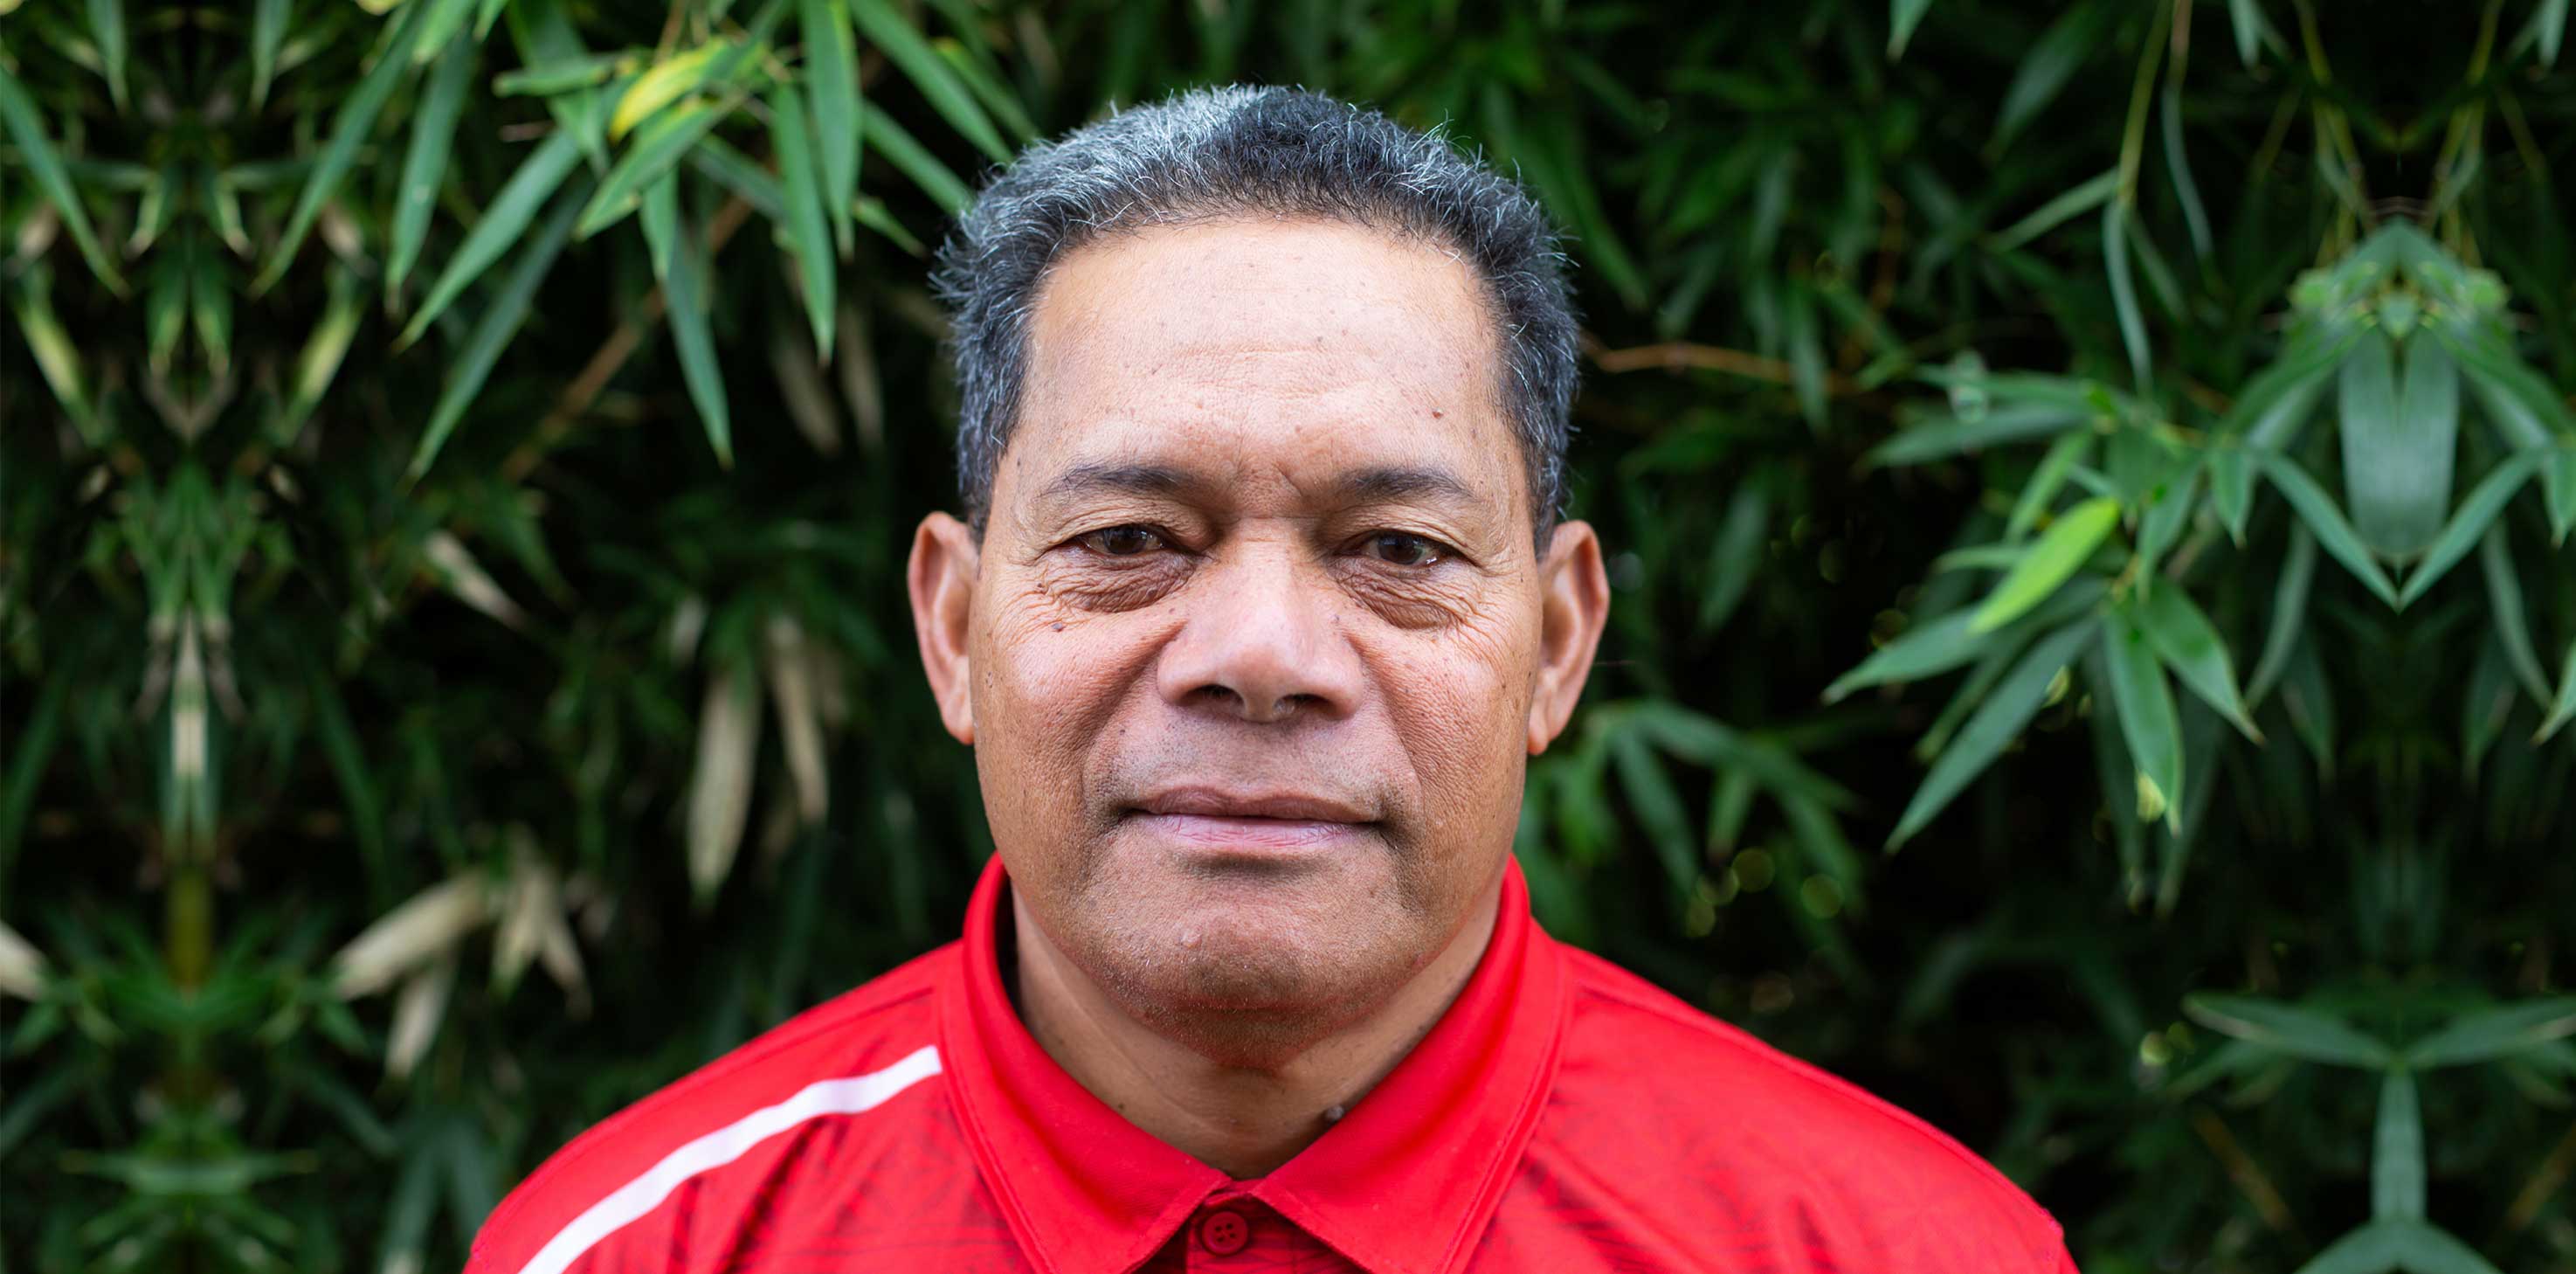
(941, 579)
(1574, 605)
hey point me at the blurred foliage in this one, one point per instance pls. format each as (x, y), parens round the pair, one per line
(438, 544)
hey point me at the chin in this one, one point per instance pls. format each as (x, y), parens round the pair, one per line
(1249, 975)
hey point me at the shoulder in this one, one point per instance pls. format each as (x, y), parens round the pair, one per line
(1740, 1126)
(848, 1056)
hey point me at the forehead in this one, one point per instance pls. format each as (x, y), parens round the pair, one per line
(1255, 349)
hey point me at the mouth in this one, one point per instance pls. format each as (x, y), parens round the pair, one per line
(1266, 823)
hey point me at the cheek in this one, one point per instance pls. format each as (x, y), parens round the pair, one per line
(1048, 681)
(1460, 704)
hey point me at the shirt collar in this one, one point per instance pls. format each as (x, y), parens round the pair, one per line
(1402, 1184)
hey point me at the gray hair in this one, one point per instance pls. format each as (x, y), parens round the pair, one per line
(1239, 151)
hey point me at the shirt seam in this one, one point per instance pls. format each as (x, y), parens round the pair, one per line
(1806, 1073)
(725, 1067)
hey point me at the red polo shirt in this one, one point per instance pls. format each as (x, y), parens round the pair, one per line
(1562, 1116)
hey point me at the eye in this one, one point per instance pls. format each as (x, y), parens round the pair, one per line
(1121, 541)
(1401, 549)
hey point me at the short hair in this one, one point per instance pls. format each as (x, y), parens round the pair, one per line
(1240, 150)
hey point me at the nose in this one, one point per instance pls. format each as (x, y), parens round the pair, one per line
(1263, 642)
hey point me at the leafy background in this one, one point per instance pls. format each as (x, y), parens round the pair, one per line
(458, 454)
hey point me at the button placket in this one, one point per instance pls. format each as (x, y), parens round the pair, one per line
(1224, 1231)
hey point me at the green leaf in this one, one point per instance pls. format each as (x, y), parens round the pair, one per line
(547, 41)
(2519, 402)
(2289, 612)
(2486, 706)
(165, 310)
(2124, 292)
(320, 362)
(2476, 513)
(2397, 454)
(891, 140)
(2395, 1244)
(1806, 357)
(445, 22)
(2289, 1029)
(347, 757)
(1702, 740)
(210, 308)
(107, 28)
(657, 146)
(501, 318)
(2057, 212)
(425, 163)
(1938, 645)
(1903, 17)
(2231, 489)
(560, 75)
(57, 359)
(733, 170)
(2318, 510)
(2053, 60)
(2168, 511)
(2564, 708)
(2051, 561)
(413, 1206)
(2019, 422)
(989, 89)
(831, 71)
(349, 129)
(2148, 723)
(807, 238)
(36, 151)
(2189, 644)
(31, 745)
(2397, 1153)
(937, 81)
(2248, 21)
(1650, 794)
(1736, 552)
(670, 80)
(679, 262)
(502, 226)
(2558, 483)
(267, 36)
(2045, 481)
(2549, 23)
(2015, 699)
(2499, 1031)
(2279, 399)
(2178, 163)
(2510, 621)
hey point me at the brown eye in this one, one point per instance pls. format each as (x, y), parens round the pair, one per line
(1401, 549)
(1122, 541)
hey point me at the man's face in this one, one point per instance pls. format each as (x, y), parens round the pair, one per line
(1256, 640)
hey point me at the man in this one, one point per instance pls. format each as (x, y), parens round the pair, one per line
(1258, 606)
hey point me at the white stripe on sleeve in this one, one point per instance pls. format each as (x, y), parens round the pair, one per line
(641, 1195)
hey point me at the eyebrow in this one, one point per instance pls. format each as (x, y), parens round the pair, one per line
(1097, 479)
(1403, 482)
(1377, 484)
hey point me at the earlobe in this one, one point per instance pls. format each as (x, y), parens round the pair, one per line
(1574, 607)
(940, 577)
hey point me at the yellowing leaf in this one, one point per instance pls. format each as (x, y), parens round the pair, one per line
(2055, 557)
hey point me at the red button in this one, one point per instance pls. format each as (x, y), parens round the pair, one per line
(1224, 1233)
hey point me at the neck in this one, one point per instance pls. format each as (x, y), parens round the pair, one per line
(1243, 1121)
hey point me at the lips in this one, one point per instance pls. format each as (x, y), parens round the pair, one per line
(1241, 821)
